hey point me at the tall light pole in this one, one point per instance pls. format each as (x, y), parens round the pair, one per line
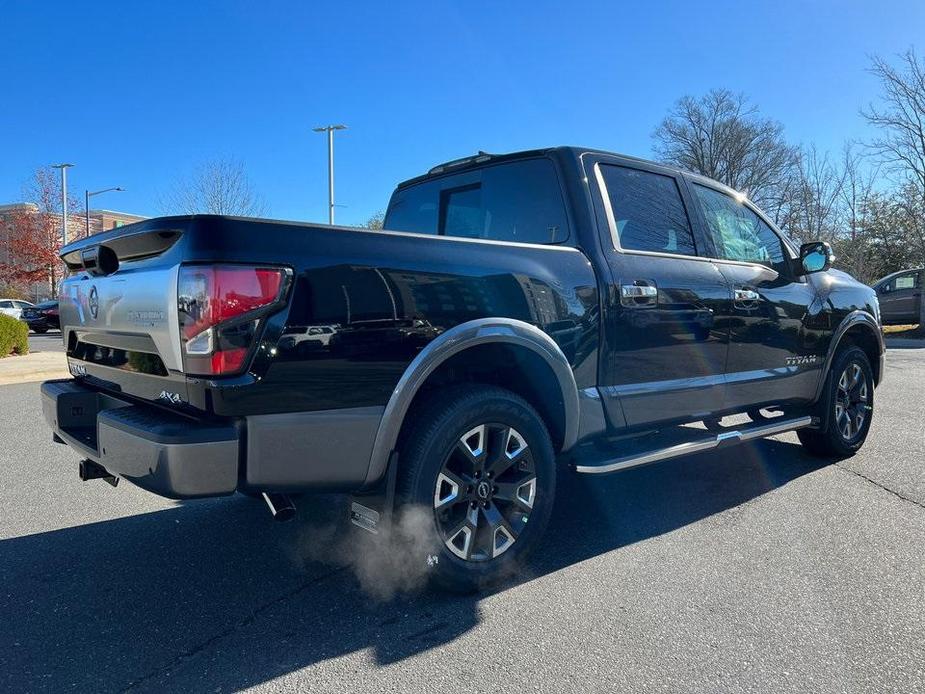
(88, 195)
(64, 168)
(329, 129)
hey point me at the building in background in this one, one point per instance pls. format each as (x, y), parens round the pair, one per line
(100, 220)
(104, 220)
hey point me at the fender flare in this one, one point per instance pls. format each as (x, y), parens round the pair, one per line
(854, 318)
(455, 340)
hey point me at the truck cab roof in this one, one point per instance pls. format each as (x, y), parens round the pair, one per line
(482, 158)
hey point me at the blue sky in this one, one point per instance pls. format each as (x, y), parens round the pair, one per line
(137, 94)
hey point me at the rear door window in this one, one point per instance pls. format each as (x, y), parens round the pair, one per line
(648, 211)
(519, 201)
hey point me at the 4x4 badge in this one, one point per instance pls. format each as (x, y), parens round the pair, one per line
(172, 398)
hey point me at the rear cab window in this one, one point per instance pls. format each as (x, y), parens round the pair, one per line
(518, 201)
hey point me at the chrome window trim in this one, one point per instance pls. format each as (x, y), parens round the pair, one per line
(744, 263)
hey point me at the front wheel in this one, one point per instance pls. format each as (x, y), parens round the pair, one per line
(847, 407)
(479, 465)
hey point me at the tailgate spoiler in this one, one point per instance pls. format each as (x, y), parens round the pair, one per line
(101, 254)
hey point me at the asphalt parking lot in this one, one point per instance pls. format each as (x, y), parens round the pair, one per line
(756, 569)
(47, 342)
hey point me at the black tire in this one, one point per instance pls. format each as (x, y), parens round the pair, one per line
(841, 436)
(40, 331)
(518, 468)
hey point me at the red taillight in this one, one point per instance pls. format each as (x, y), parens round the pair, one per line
(220, 307)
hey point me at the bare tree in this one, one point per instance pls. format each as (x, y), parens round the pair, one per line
(857, 187)
(376, 221)
(886, 240)
(722, 136)
(219, 186)
(900, 117)
(855, 208)
(816, 196)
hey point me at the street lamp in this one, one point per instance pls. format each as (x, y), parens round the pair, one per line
(329, 129)
(64, 168)
(88, 195)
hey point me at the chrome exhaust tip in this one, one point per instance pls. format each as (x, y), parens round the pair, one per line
(281, 506)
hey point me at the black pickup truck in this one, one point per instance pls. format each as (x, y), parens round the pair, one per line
(521, 311)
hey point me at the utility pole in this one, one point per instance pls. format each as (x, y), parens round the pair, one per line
(329, 129)
(64, 168)
(87, 196)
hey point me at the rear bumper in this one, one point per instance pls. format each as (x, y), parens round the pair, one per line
(182, 458)
(163, 453)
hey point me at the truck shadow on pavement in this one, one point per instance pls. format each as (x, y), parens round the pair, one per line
(212, 595)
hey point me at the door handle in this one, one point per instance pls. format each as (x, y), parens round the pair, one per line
(638, 295)
(745, 298)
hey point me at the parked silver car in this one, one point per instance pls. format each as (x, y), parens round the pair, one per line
(13, 307)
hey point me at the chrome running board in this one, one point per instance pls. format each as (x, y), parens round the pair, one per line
(720, 439)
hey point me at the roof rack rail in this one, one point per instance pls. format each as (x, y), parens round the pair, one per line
(475, 159)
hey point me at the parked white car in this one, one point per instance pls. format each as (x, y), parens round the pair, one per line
(13, 307)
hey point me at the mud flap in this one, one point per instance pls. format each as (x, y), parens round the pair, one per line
(372, 511)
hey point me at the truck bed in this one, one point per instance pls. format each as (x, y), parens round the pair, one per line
(362, 304)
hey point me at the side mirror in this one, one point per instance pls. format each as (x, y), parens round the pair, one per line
(816, 256)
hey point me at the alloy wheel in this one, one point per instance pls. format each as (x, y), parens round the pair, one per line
(852, 402)
(485, 492)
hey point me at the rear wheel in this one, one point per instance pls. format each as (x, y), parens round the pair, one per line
(480, 465)
(846, 408)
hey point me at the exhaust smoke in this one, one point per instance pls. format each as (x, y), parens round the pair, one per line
(396, 560)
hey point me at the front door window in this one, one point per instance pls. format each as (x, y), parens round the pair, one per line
(737, 232)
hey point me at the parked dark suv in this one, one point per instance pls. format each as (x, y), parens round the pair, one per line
(42, 317)
(520, 312)
(900, 296)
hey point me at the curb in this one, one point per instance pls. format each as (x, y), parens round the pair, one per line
(905, 342)
(35, 366)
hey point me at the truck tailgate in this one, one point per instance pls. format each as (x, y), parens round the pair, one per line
(118, 311)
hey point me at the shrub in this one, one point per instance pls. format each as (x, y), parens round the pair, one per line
(14, 336)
